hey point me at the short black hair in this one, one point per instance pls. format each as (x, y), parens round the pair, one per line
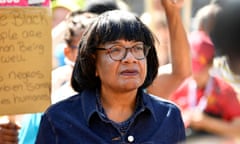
(111, 26)
(226, 31)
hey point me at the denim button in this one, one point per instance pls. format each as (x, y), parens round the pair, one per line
(130, 139)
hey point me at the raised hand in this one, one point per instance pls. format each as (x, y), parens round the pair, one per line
(172, 4)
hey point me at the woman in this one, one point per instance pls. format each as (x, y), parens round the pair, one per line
(117, 60)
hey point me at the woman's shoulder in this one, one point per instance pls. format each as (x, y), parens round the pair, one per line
(65, 106)
(74, 104)
(164, 109)
(162, 102)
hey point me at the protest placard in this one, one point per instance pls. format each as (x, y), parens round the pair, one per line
(24, 3)
(25, 59)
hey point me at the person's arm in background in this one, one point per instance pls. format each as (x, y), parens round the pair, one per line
(202, 121)
(166, 83)
(227, 123)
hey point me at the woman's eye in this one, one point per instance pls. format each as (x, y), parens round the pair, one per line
(116, 49)
(138, 48)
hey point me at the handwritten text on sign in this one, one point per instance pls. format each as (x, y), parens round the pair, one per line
(25, 59)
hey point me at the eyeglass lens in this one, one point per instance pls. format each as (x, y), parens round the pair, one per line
(118, 52)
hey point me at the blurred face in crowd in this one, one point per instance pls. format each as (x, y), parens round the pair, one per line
(77, 23)
(202, 76)
(71, 50)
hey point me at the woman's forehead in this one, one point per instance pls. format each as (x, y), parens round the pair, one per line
(120, 41)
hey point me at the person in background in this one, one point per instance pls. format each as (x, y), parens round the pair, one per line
(156, 19)
(171, 75)
(218, 112)
(204, 19)
(208, 103)
(225, 37)
(117, 60)
(60, 9)
(76, 23)
(102, 6)
(29, 125)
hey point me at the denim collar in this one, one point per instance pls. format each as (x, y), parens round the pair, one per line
(90, 107)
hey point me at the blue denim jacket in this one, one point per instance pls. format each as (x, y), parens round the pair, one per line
(78, 120)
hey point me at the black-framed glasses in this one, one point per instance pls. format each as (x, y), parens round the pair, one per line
(118, 52)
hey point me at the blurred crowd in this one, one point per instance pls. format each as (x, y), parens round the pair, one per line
(202, 78)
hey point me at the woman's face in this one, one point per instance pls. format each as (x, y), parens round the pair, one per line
(122, 75)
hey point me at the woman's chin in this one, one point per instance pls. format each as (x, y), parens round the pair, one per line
(131, 85)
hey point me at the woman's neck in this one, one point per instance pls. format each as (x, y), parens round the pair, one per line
(118, 106)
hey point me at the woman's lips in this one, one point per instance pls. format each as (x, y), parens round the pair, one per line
(129, 72)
